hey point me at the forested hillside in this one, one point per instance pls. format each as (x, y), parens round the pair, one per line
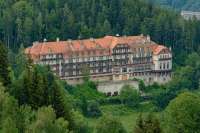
(34, 100)
(26, 21)
(192, 5)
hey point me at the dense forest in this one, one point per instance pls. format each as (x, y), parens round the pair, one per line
(34, 100)
(25, 21)
(191, 5)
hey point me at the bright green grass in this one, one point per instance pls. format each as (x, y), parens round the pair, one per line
(127, 116)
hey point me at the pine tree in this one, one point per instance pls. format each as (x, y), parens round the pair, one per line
(37, 90)
(106, 29)
(61, 107)
(56, 100)
(25, 89)
(21, 61)
(4, 65)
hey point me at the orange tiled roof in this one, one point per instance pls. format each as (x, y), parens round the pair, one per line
(157, 49)
(70, 47)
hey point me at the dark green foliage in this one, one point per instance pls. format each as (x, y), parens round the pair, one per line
(15, 119)
(163, 98)
(20, 62)
(185, 77)
(150, 124)
(91, 108)
(142, 86)
(86, 90)
(23, 22)
(129, 96)
(183, 114)
(111, 125)
(45, 121)
(58, 101)
(4, 66)
(38, 87)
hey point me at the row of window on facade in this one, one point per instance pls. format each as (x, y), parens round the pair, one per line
(89, 53)
(121, 50)
(92, 64)
(94, 58)
(142, 51)
(92, 71)
(163, 74)
(50, 62)
(87, 59)
(164, 65)
(142, 60)
(136, 53)
(165, 56)
(51, 56)
(142, 68)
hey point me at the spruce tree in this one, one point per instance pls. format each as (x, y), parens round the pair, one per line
(4, 64)
(37, 90)
(60, 105)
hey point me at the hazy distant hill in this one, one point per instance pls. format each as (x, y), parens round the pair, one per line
(193, 5)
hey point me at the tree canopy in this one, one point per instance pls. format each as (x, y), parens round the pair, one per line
(183, 114)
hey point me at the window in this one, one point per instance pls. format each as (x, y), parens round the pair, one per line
(109, 94)
(115, 93)
(91, 71)
(74, 72)
(168, 65)
(164, 66)
(66, 74)
(124, 70)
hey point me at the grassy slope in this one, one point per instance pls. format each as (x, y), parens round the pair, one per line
(126, 115)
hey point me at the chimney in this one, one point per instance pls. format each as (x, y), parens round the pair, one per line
(125, 36)
(92, 39)
(45, 40)
(170, 48)
(35, 43)
(69, 41)
(148, 38)
(57, 39)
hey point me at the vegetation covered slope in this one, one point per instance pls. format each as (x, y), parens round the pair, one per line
(33, 100)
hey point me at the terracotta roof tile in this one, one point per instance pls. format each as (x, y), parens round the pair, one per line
(70, 47)
(157, 48)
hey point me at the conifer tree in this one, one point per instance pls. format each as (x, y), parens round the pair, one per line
(4, 64)
(36, 90)
(21, 61)
(61, 107)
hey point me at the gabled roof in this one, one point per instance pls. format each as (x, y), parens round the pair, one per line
(77, 46)
(157, 49)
